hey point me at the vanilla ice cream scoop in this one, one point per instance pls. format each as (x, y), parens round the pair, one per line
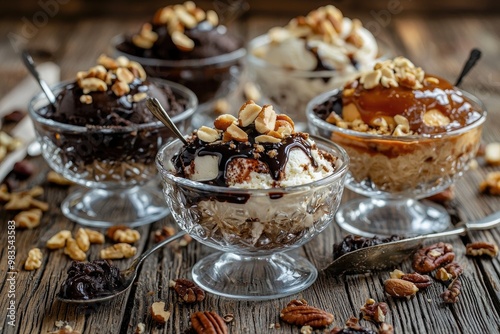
(322, 40)
(258, 150)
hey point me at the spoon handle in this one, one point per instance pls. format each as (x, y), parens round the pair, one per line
(156, 109)
(30, 65)
(486, 223)
(138, 261)
(474, 56)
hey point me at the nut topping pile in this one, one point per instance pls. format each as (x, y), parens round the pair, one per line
(324, 23)
(115, 74)
(395, 72)
(271, 126)
(177, 19)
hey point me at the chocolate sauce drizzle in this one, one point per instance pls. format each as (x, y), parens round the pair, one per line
(227, 151)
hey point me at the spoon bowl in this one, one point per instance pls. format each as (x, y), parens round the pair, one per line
(127, 276)
(390, 254)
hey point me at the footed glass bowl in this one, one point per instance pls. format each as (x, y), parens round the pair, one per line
(395, 172)
(253, 228)
(209, 78)
(290, 90)
(112, 164)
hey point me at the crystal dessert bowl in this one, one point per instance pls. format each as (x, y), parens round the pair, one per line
(111, 164)
(254, 228)
(209, 78)
(295, 63)
(394, 172)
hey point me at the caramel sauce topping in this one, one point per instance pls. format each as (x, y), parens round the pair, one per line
(413, 104)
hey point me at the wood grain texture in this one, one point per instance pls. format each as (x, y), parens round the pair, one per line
(438, 44)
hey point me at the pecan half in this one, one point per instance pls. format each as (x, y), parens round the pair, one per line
(454, 269)
(420, 281)
(208, 323)
(450, 296)
(188, 291)
(482, 248)
(432, 257)
(299, 314)
(373, 311)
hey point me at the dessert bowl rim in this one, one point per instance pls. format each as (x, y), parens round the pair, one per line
(383, 54)
(316, 121)
(338, 173)
(177, 89)
(221, 59)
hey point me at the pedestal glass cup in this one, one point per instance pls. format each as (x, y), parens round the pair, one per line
(112, 164)
(396, 172)
(209, 78)
(290, 90)
(254, 229)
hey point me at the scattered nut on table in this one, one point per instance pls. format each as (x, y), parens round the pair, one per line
(95, 237)
(8, 144)
(128, 236)
(491, 184)
(450, 296)
(28, 219)
(56, 178)
(73, 251)
(58, 240)
(432, 257)
(301, 314)
(492, 154)
(443, 275)
(140, 328)
(118, 251)
(163, 233)
(34, 260)
(121, 233)
(82, 239)
(208, 322)
(482, 248)
(400, 288)
(188, 291)
(374, 311)
(158, 312)
(420, 281)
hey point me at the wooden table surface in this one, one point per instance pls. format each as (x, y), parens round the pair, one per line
(438, 44)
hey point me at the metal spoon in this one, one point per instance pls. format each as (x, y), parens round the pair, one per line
(127, 276)
(30, 65)
(390, 254)
(156, 109)
(474, 56)
(34, 148)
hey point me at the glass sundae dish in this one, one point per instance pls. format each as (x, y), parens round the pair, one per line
(409, 135)
(101, 135)
(188, 45)
(253, 188)
(312, 54)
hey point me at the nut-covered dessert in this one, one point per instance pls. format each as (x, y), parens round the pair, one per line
(110, 96)
(101, 135)
(182, 39)
(405, 130)
(311, 54)
(259, 150)
(253, 187)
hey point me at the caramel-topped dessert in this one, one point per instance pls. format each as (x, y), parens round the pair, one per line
(398, 99)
